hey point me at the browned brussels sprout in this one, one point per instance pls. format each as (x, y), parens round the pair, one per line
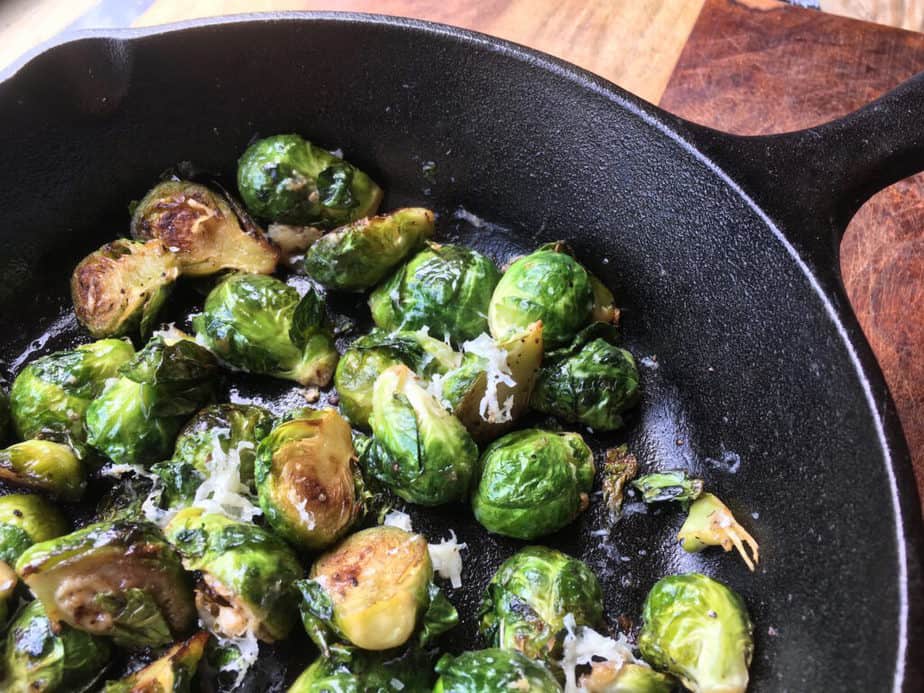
(43, 465)
(202, 230)
(172, 672)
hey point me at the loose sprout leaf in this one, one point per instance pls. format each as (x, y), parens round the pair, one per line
(711, 523)
(136, 618)
(670, 485)
(439, 617)
(334, 186)
(310, 315)
(619, 467)
(316, 609)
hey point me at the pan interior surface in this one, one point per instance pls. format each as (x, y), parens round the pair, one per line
(747, 382)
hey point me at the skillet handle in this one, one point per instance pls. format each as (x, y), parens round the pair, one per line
(812, 182)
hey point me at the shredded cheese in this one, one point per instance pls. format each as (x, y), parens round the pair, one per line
(396, 518)
(247, 646)
(497, 372)
(582, 645)
(447, 559)
(223, 492)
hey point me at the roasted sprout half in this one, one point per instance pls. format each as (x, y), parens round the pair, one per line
(137, 416)
(120, 579)
(533, 483)
(444, 288)
(120, 288)
(525, 604)
(50, 396)
(288, 179)
(493, 670)
(308, 481)
(625, 677)
(669, 485)
(420, 451)
(359, 255)
(350, 670)
(26, 520)
(172, 672)
(43, 465)
(375, 590)
(40, 656)
(201, 229)
(698, 630)
(547, 285)
(261, 325)
(368, 356)
(710, 523)
(591, 382)
(246, 574)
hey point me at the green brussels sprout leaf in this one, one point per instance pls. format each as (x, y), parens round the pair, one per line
(440, 616)
(135, 616)
(493, 670)
(310, 316)
(350, 670)
(26, 520)
(334, 186)
(670, 485)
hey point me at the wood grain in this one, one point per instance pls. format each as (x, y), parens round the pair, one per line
(754, 68)
(634, 43)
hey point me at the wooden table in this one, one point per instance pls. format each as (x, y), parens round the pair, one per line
(746, 66)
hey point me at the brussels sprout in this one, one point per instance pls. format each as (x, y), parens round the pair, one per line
(201, 229)
(604, 309)
(368, 356)
(670, 485)
(590, 382)
(547, 285)
(223, 427)
(358, 256)
(491, 389)
(308, 482)
(4, 416)
(493, 670)
(421, 451)
(137, 416)
(349, 670)
(699, 630)
(373, 590)
(533, 483)
(619, 467)
(526, 602)
(246, 574)
(26, 520)
(445, 288)
(626, 677)
(120, 288)
(710, 523)
(44, 465)
(173, 672)
(50, 396)
(42, 657)
(8, 582)
(286, 178)
(120, 579)
(125, 500)
(259, 324)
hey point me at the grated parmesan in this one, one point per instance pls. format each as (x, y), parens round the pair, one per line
(497, 372)
(247, 646)
(223, 492)
(584, 645)
(396, 518)
(447, 559)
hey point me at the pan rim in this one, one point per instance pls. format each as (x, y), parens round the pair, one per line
(909, 529)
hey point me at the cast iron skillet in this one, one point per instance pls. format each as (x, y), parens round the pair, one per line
(722, 251)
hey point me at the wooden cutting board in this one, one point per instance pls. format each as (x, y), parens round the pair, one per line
(757, 67)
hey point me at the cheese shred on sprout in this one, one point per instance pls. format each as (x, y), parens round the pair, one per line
(446, 556)
(583, 645)
(247, 646)
(497, 372)
(223, 492)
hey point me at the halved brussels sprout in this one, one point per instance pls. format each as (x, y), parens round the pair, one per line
(591, 382)
(698, 629)
(374, 590)
(491, 389)
(201, 229)
(669, 485)
(221, 428)
(42, 657)
(120, 288)
(44, 465)
(120, 579)
(547, 285)
(710, 523)
(137, 416)
(286, 178)
(368, 356)
(4, 416)
(359, 255)
(525, 604)
(420, 451)
(605, 309)
(26, 520)
(308, 481)
(493, 670)
(50, 396)
(625, 677)
(261, 325)
(533, 483)
(246, 574)
(445, 288)
(349, 670)
(172, 672)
